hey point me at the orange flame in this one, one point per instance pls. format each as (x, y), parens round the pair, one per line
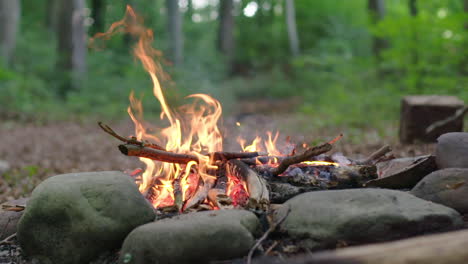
(192, 128)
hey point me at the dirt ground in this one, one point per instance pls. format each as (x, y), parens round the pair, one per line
(35, 152)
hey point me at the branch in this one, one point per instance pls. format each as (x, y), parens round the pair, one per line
(155, 154)
(375, 156)
(131, 140)
(309, 153)
(458, 114)
(266, 234)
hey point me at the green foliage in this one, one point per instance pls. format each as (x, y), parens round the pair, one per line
(336, 75)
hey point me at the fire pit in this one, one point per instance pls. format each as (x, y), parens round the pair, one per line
(187, 168)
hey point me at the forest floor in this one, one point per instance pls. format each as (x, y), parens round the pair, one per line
(37, 151)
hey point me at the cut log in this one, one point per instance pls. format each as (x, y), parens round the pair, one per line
(258, 192)
(420, 112)
(445, 248)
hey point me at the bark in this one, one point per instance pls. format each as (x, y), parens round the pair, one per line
(98, 14)
(292, 28)
(71, 36)
(226, 29)
(377, 13)
(9, 23)
(174, 25)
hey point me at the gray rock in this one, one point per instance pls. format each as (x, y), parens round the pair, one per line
(448, 187)
(324, 219)
(192, 238)
(9, 219)
(72, 218)
(452, 150)
(4, 167)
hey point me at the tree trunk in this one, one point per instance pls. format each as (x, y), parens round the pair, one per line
(71, 36)
(52, 15)
(292, 28)
(377, 13)
(414, 56)
(226, 29)
(9, 22)
(174, 25)
(413, 7)
(98, 14)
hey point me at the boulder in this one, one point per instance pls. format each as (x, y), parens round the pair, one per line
(452, 150)
(448, 187)
(192, 238)
(73, 218)
(324, 219)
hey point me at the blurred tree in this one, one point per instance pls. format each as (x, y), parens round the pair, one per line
(52, 14)
(413, 7)
(292, 28)
(377, 13)
(9, 21)
(226, 29)
(174, 25)
(71, 36)
(413, 44)
(98, 14)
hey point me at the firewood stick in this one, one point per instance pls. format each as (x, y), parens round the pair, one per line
(219, 198)
(309, 153)
(201, 194)
(222, 155)
(156, 154)
(375, 156)
(258, 192)
(166, 156)
(131, 140)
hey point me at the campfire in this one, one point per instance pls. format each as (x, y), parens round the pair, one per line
(187, 168)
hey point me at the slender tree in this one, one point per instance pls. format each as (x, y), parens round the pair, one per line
(71, 37)
(413, 7)
(9, 23)
(292, 28)
(98, 14)
(377, 12)
(52, 14)
(226, 29)
(174, 25)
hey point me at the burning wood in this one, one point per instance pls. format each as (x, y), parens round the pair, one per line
(156, 154)
(258, 192)
(307, 155)
(220, 199)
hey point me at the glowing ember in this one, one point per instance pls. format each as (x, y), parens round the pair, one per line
(320, 163)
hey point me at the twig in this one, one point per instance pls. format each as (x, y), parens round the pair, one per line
(131, 140)
(266, 234)
(311, 152)
(8, 239)
(271, 248)
(375, 156)
(458, 114)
